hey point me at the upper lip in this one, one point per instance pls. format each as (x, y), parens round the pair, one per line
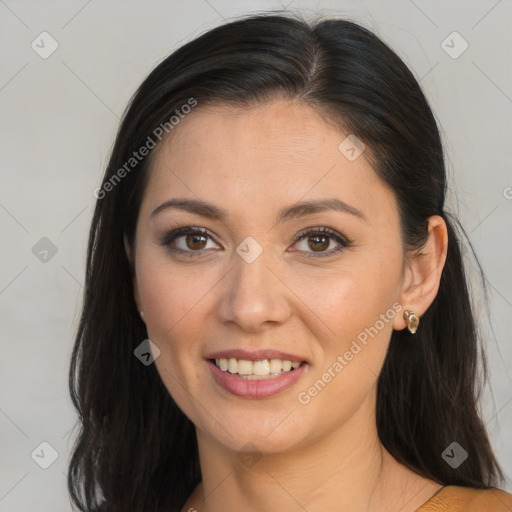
(256, 355)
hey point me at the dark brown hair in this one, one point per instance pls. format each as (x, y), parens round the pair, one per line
(136, 450)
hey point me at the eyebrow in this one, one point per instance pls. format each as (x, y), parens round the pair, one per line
(199, 207)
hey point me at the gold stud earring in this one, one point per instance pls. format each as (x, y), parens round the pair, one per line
(412, 320)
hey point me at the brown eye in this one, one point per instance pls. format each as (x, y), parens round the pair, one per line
(189, 240)
(318, 243)
(196, 241)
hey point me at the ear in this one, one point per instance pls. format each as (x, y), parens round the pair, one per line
(129, 254)
(423, 270)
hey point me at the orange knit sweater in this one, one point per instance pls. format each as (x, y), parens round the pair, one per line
(464, 499)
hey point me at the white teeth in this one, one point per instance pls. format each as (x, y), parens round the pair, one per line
(232, 365)
(244, 367)
(256, 369)
(287, 366)
(260, 367)
(275, 365)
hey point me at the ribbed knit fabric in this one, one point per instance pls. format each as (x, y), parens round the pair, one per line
(464, 499)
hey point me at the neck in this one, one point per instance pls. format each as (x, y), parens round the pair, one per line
(349, 468)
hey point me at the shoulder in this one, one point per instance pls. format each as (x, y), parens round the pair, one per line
(454, 499)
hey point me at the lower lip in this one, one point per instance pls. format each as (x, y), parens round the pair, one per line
(252, 388)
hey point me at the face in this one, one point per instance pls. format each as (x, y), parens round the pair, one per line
(235, 293)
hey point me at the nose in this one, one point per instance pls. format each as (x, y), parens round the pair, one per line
(254, 297)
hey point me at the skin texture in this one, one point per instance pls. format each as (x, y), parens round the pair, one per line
(253, 162)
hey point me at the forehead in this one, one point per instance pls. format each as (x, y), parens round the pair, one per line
(269, 131)
(274, 153)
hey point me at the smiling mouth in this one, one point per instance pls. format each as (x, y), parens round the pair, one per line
(256, 370)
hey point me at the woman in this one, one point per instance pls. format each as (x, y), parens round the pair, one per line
(272, 219)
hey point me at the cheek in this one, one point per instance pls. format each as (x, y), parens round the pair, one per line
(170, 295)
(351, 357)
(173, 309)
(356, 312)
(350, 299)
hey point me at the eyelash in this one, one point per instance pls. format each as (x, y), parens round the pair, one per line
(343, 241)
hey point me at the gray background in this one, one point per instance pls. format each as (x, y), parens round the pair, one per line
(58, 121)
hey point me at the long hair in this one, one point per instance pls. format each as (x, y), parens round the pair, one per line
(136, 450)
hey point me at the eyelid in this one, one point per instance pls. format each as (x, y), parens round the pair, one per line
(324, 230)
